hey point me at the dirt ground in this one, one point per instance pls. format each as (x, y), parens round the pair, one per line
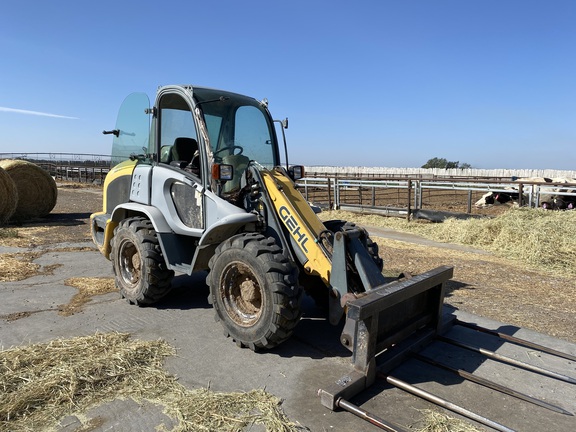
(483, 284)
(69, 221)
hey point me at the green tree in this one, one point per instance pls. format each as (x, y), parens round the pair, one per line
(436, 163)
(452, 164)
(444, 163)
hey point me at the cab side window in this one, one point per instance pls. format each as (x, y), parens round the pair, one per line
(178, 137)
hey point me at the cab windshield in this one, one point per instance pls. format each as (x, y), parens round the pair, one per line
(237, 125)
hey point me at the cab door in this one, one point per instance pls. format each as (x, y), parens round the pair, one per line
(178, 184)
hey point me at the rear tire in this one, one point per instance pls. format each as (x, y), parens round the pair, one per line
(254, 290)
(141, 273)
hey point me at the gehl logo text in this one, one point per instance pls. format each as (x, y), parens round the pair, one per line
(293, 227)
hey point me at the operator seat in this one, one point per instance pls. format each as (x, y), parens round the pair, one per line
(185, 154)
(183, 150)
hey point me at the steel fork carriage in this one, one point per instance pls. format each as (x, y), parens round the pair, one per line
(394, 319)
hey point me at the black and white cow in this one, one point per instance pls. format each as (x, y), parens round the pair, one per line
(495, 198)
(552, 200)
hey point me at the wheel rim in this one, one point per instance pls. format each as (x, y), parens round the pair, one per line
(129, 263)
(241, 294)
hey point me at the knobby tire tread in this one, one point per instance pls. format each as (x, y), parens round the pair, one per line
(282, 280)
(157, 280)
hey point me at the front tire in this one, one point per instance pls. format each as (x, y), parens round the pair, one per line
(254, 290)
(372, 248)
(141, 273)
(314, 286)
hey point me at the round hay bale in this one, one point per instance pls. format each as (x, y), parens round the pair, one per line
(8, 196)
(37, 192)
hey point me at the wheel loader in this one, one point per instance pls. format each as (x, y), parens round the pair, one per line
(197, 184)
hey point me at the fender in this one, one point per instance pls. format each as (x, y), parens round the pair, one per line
(216, 234)
(123, 211)
(130, 209)
(226, 227)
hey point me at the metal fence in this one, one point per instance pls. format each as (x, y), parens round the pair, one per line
(432, 173)
(400, 197)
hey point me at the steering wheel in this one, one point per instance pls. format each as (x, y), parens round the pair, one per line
(230, 149)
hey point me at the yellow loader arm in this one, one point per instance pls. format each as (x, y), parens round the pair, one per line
(329, 255)
(303, 224)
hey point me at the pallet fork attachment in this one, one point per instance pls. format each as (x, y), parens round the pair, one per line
(393, 319)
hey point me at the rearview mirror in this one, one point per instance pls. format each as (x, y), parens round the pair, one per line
(296, 172)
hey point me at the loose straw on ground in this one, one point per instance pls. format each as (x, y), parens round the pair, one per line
(43, 383)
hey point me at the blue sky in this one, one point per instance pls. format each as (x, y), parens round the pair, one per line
(388, 83)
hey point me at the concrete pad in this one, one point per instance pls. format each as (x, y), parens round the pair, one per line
(115, 416)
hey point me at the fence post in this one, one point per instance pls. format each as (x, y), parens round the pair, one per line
(409, 199)
(469, 206)
(329, 193)
(420, 192)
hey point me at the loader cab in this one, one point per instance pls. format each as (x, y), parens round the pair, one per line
(215, 128)
(240, 130)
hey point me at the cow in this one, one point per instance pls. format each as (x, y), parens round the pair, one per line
(495, 198)
(557, 200)
(552, 199)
